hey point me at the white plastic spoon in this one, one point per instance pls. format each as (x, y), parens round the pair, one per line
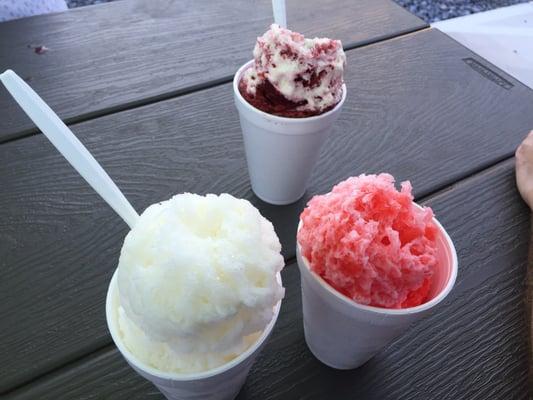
(68, 145)
(280, 15)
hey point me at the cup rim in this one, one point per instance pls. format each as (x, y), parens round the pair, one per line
(277, 118)
(112, 325)
(389, 311)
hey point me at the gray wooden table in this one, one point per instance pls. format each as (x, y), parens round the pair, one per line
(122, 55)
(148, 84)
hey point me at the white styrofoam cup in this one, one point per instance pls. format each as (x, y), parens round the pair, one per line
(221, 383)
(281, 152)
(344, 334)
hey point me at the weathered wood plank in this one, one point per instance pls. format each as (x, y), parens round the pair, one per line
(474, 346)
(414, 109)
(113, 56)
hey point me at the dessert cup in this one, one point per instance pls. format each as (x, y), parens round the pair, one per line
(281, 152)
(344, 334)
(221, 383)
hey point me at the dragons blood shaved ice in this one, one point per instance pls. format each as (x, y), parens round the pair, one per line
(370, 242)
(293, 76)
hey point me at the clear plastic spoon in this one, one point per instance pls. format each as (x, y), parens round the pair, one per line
(68, 145)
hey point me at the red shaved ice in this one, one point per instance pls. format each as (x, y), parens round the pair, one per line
(370, 242)
(292, 76)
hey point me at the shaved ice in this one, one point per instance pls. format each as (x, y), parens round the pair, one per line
(293, 76)
(370, 242)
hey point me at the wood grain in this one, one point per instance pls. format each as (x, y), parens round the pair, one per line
(414, 109)
(473, 347)
(118, 55)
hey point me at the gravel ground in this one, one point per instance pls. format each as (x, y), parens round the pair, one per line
(428, 10)
(438, 10)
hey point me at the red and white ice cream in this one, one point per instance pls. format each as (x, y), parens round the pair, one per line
(370, 242)
(293, 76)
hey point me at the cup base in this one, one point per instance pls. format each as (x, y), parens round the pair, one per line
(278, 202)
(329, 363)
(170, 395)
